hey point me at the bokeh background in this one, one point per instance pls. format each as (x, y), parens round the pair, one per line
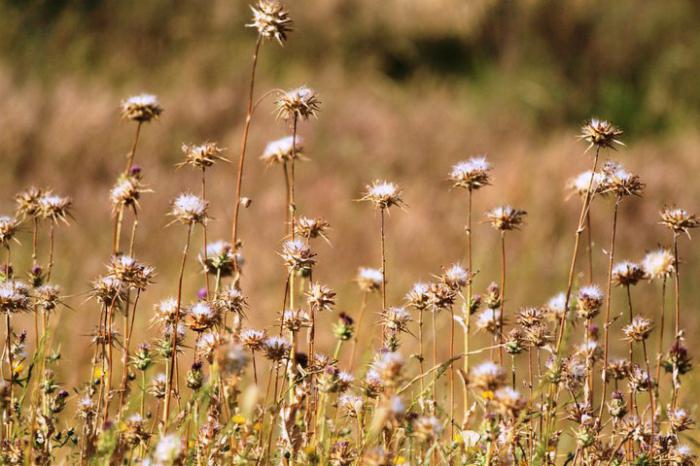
(409, 87)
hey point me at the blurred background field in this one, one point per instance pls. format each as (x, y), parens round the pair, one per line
(408, 88)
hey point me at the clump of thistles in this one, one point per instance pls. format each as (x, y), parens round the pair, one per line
(471, 174)
(188, 208)
(506, 218)
(627, 273)
(300, 103)
(600, 134)
(141, 108)
(383, 194)
(271, 19)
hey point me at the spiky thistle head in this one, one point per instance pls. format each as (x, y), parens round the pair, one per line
(455, 276)
(301, 103)
(48, 297)
(487, 376)
(108, 290)
(201, 156)
(219, 259)
(126, 193)
(489, 320)
(600, 134)
(620, 182)
(253, 339)
(383, 194)
(658, 264)
(283, 150)
(9, 226)
(311, 228)
(14, 297)
(189, 209)
(28, 204)
(627, 273)
(506, 218)
(277, 348)
(419, 296)
(202, 316)
(271, 19)
(471, 174)
(231, 299)
(580, 183)
(589, 301)
(679, 220)
(142, 108)
(320, 297)
(130, 272)
(54, 208)
(639, 329)
(298, 257)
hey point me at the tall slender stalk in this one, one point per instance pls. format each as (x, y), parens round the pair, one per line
(383, 253)
(244, 145)
(468, 303)
(608, 305)
(503, 297)
(173, 339)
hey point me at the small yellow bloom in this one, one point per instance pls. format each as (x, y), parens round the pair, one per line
(400, 460)
(238, 419)
(257, 427)
(19, 367)
(487, 395)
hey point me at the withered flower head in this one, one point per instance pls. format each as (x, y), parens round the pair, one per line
(48, 297)
(509, 401)
(342, 454)
(202, 316)
(28, 202)
(202, 156)
(456, 276)
(253, 339)
(126, 193)
(141, 108)
(530, 316)
(231, 299)
(298, 256)
(556, 306)
(108, 290)
(489, 320)
(487, 376)
(277, 348)
(679, 220)
(294, 319)
(383, 194)
(130, 272)
(627, 273)
(419, 296)
(219, 260)
(283, 150)
(8, 229)
(388, 366)
(589, 300)
(232, 358)
(396, 319)
(639, 329)
(441, 296)
(620, 182)
(369, 280)
(537, 336)
(580, 183)
(189, 209)
(506, 218)
(680, 419)
(427, 428)
(639, 379)
(320, 297)
(271, 19)
(350, 405)
(658, 264)
(54, 208)
(471, 174)
(310, 228)
(14, 296)
(300, 103)
(600, 134)
(618, 368)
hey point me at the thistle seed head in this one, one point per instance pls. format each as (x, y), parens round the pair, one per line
(487, 376)
(369, 280)
(579, 184)
(301, 103)
(189, 209)
(283, 150)
(311, 228)
(658, 264)
(427, 428)
(232, 358)
(54, 208)
(202, 316)
(320, 297)
(509, 401)
(489, 320)
(506, 218)
(456, 277)
(253, 339)
(202, 156)
(471, 174)
(419, 296)
(600, 134)
(231, 299)
(639, 329)
(126, 193)
(142, 108)
(297, 256)
(627, 273)
(130, 272)
(396, 319)
(589, 301)
(350, 405)
(271, 19)
(108, 290)
(9, 226)
(220, 259)
(620, 182)
(277, 348)
(169, 450)
(14, 297)
(48, 297)
(679, 220)
(383, 194)
(28, 204)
